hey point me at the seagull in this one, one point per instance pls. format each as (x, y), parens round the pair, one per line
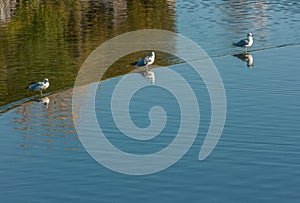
(245, 43)
(39, 86)
(146, 61)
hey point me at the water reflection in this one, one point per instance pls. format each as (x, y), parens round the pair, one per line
(54, 39)
(246, 57)
(46, 123)
(7, 9)
(44, 101)
(148, 74)
(246, 16)
(115, 12)
(261, 17)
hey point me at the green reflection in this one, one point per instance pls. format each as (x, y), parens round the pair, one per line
(52, 38)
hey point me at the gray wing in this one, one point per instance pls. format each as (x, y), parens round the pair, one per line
(142, 61)
(241, 43)
(35, 85)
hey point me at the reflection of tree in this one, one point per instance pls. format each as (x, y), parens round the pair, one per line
(6, 9)
(113, 10)
(52, 38)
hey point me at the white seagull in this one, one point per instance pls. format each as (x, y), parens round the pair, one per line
(245, 43)
(39, 86)
(146, 61)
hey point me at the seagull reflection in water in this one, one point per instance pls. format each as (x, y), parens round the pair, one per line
(149, 75)
(44, 101)
(246, 57)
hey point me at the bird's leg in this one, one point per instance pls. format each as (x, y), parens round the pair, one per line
(41, 93)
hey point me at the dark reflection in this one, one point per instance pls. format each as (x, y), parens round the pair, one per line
(53, 38)
(148, 74)
(246, 57)
(114, 12)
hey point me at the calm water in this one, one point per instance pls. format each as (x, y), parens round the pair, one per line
(257, 157)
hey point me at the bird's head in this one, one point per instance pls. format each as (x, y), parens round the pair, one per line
(45, 80)
(250, 34)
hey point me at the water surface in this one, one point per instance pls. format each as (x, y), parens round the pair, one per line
(51, 39)
(257, 157)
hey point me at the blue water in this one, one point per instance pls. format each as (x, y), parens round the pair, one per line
(214, 24)
(255, 160)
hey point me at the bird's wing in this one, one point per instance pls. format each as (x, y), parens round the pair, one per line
(241, 43)
(32, 85)
(141, 62)
(35, 84)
